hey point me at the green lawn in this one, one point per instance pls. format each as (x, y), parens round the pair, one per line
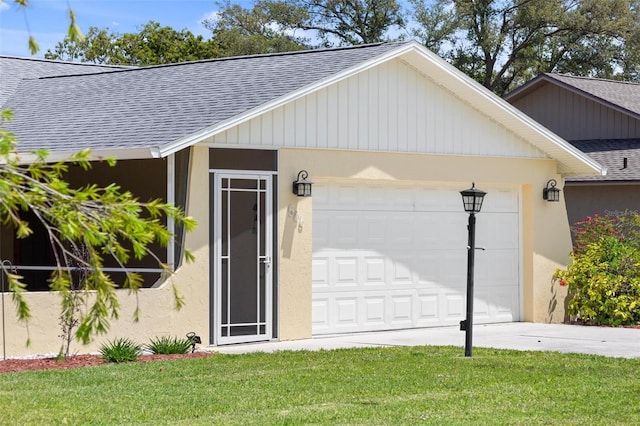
(418, 385)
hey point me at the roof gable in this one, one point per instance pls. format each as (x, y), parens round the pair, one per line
(619, 95)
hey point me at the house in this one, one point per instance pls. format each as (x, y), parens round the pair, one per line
(602, 119)
(388, 133)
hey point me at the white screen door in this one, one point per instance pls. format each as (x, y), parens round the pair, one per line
(242, 258)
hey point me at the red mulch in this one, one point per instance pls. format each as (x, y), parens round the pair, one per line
(76, 361)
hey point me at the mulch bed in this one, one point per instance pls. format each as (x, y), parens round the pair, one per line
(76, 361)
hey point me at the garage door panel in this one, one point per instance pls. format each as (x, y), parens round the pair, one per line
(401, 311)
(374, 311)
(500, 200)
(386, 262)
(374, 271)
(320, 314)
(436, 199)
(346, 272)
(453, 267)
(428, 268)
(343, 231)
(321, 229)
(497, 230)
(373, 229)
(453, 306)
(426, 306)
(401, 272)
(346, 311)
(320, 272)
(401, 234)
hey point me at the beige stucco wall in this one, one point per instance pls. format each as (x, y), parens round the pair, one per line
(545, 245)
(545, 232)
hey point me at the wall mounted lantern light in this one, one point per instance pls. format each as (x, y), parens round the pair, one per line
(472, 199)
(551, 193)
(302, 186)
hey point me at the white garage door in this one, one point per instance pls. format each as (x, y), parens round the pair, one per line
(394, 256)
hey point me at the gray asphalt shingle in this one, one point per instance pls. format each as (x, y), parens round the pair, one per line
(154, 106)
(15, 69)
(612, 153)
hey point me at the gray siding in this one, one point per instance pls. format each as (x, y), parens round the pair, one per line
(575, 117)
(589, 200)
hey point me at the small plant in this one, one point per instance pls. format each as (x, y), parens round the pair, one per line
(169, 345)
(121, 350)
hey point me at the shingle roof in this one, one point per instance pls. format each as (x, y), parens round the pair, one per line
(14, 69)
(154, 106)
(612, 154)
(156, 111)
(620, 95)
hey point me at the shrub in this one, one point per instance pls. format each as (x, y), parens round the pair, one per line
(603, 278)
(121, 350)
(169, 345)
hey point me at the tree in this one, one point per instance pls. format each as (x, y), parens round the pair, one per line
(325, 22)
(262, 29)
(345, 22)
(73, 31)
(153, 45)
(503, 43)
(84, 227)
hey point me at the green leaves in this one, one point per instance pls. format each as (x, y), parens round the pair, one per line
(604, 276)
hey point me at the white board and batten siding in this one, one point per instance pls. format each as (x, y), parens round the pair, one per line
(393, 256)
(390, 108)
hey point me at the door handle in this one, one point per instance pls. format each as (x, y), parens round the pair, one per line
(266, 260)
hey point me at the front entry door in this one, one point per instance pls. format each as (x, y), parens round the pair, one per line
(242, 270)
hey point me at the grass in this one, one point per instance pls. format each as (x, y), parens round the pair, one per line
(418, 385)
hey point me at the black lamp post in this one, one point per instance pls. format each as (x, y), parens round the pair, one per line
(472, 199)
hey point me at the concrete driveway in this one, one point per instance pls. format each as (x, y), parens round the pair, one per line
(612, 342)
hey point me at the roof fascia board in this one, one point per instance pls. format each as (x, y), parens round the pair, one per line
(269, 106)
(96, 155)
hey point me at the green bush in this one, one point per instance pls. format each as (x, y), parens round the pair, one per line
(603, 278)
(169, 345)
(121, 350)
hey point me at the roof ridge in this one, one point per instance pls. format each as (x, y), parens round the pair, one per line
(56, 61)
(228, 58)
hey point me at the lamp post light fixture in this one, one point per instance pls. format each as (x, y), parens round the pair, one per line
(302, 186)
(472, 200)
(550, 192)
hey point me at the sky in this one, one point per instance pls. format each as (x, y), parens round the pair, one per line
(48, 21)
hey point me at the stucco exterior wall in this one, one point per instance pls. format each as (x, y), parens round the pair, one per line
(544, 247)
(545, 232)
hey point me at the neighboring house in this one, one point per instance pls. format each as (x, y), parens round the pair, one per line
(389, 133)
(602, 119)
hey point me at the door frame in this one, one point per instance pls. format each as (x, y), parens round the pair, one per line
(216, 256)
